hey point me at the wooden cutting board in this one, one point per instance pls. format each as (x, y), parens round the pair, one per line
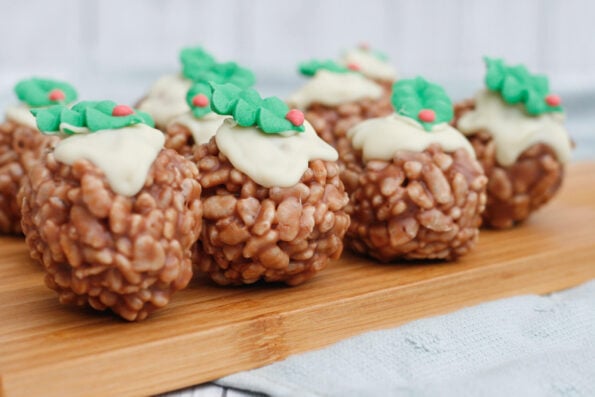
(206, 332)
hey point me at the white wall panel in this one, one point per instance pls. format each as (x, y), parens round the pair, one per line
(39, 35)
(442, 39)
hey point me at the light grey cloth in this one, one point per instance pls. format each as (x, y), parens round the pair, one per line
(523, 346)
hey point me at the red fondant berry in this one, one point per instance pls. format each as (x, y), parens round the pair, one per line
(553, 100)
(295, 117)
(122, 110)
(426, 115)
(353, 66)
(56, 95)
(200, 100)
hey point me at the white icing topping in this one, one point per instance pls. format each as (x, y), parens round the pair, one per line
(381, 138)
(333, 89)
(77, 130)
(124, 155)
(272, 159)
(21, 114)
(203, 128)
(513, 130)
(167, 98)
(370, 65)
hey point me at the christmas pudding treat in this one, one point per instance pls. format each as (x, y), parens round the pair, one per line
(371, 63)
(418, 192)
(516, 128)
(335, 99)
(21, 145)
(198, 125)
(166, 99)
(273, 200)
(110, 213)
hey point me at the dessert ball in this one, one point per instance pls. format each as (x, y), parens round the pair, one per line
(273, 200)
(337, 98)
(415, 189)
(21, 144)
(516, 128)
(110, 214)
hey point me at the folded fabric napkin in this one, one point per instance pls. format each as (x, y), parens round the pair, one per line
(522, 346)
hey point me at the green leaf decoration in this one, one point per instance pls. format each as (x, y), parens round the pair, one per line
(225, 97)
(411, 96)
(90, 115)
(198, 65)
(379, 55)
(248, 109)
(516, 85)
(48, 119)
(231, 72)
(309, 68)
(37, 92)
(202, 68)
(197, 89)
(194, 61)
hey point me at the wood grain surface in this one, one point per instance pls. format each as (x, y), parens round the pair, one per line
(207, 331)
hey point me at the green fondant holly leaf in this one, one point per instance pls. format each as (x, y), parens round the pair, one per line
(415, 98)
(516, 85)
(88, 115)
(249, 109)
(36, 92)
(200, 88)
(198, 65)
(309, 68)
(225, 97)
(218, 73)
(48, 119)
(195, 61)
(231, 72)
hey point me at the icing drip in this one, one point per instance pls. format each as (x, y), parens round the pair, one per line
(369, 64)
(21, 114)
(203, 128)
(167, 98)
(124, 155)
(334, 89)
(381, 138)
(513, 130)
(272, 160)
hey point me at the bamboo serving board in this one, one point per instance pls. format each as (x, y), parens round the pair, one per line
(207, 332)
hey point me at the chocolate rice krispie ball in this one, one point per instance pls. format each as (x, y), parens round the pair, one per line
(519, 140)
(337, 98)
(21, 144)
(415, 188)
(273, 199)
(111, 215)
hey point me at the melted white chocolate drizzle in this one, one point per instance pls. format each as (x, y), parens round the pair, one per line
(369, 64)
(272, 159)
(202, 129)
(328, 88)
(21, 114)
(513, 130)
(380, 138)
(124, 155)
(167, 99)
